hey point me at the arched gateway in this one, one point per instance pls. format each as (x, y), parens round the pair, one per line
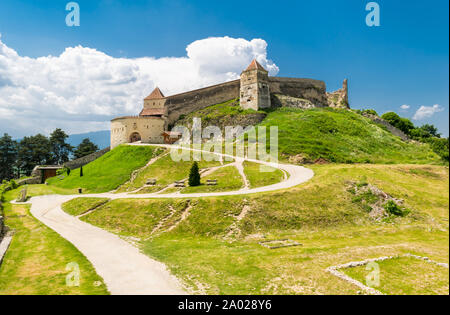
(135, 137)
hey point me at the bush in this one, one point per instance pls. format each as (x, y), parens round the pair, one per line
(393, 209)
(13, 184)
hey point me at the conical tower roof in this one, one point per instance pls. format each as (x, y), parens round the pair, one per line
(255, 65)
(156, 94)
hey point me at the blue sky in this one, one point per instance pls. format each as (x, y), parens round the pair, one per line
(404, 61)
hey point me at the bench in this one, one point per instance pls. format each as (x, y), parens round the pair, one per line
(180, 183)
(211, 182)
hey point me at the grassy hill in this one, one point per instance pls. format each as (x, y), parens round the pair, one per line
(321, 214)
(342, 136)
(339, 136)
(224, 114)
(109, 171)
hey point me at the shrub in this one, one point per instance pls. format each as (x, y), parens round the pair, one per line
(194, 175)
(393, 209)
(13, 184)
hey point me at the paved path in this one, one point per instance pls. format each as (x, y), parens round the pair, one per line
(124, 269)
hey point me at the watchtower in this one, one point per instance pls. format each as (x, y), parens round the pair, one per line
(255, 92)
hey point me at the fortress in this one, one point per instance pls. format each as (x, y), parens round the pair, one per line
(255, 89)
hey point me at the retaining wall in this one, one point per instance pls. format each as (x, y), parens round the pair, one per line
(85, 159)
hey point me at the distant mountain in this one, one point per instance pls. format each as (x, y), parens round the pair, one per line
(100, 138)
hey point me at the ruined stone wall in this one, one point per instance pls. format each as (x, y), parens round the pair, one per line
(185, 103)
(395, 131)
(339, 98)
(308, 89)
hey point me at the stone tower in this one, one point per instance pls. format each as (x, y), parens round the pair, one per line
(255, 92)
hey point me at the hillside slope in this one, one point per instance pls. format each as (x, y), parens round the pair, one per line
(225, 114)
(342, 136)
(109, 171)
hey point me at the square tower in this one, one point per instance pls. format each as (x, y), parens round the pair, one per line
(255, 92)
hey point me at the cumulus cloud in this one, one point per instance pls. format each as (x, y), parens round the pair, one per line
(83, 88)
(405, 107)
(427, 111)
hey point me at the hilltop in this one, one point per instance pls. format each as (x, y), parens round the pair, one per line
(335, 135)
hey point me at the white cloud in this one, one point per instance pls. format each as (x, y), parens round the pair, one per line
(83, 88)
(427, 111)
(405, 107)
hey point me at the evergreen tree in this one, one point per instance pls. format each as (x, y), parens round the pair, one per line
(194, 175)
(60, 148)
(81, 171)
(8, 156)
(86, 147)
(32, 151)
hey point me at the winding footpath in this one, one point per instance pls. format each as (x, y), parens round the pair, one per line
(124, 269)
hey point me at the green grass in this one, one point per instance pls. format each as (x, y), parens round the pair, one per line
(166, 172)
(82, 205)
(42, 189)
(342, 136)
(36, 260)
(258, 179)
(133, 217)
(228, 179)
(405, 276)
(109, 171)
(228, 113)
(319, 214)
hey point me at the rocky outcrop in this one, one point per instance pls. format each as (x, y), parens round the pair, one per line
(85, 159)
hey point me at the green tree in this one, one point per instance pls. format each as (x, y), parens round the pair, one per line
(86, 147)
(60, 148)
(395, 120)
(431, 130)
(194, 175)
(8, 156)
(32, 151)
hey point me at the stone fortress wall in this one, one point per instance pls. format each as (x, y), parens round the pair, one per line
(255, 89)
(188, 102)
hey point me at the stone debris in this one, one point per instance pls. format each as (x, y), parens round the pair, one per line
(275, 244)
(377, 212)
(334, 270)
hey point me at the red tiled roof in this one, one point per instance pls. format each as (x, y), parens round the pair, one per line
(172, 134)
(152, 111)
(156, 94)
(254, 65)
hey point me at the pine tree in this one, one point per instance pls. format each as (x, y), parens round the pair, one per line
(81, 171)
(194, 176)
